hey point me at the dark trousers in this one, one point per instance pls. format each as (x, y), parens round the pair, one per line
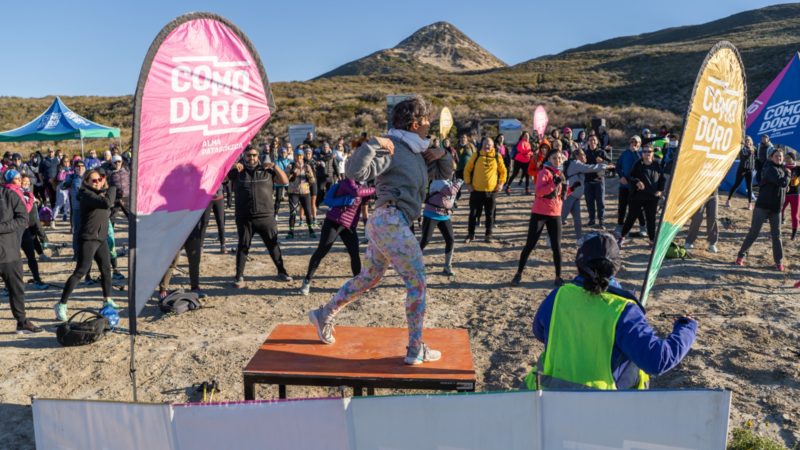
(747, 177)
(624, 200)
(642, 205)
(536, 225)
(50, 193)
(297, 201)
(481, 201)
(280, 191)
(761, 215)
(226, 191)
(268, 230)
(11, 273)
(29, 248)
(194, 253)
(444, 226)
(330, 231)
(88, 251)
(218, 207)
(595, 201)
(520, 167)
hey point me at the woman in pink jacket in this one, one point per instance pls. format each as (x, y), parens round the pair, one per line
(546, 212)
(522, 158)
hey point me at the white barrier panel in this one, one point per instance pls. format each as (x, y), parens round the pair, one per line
(298, 424)
(83, 425)
(507, 420)
(628, 420)
(586, 420)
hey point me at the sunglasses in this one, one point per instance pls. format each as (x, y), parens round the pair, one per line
(252, 155)
(95, 180)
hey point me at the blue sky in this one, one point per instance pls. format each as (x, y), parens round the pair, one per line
(97, 47)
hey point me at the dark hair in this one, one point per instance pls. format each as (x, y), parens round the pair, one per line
(597, 282)
(89, 173)
(409, 111)
(551, 152)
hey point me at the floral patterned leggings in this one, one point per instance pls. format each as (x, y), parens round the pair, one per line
(390, 242)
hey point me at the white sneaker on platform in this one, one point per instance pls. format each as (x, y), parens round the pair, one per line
(423, 355)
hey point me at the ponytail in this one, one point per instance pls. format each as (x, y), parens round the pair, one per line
(597, 275)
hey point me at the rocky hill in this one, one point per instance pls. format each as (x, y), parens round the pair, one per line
(438, 47)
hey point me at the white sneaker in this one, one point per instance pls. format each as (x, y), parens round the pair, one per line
(712, 248)
(423, 355)
(322, 324)
(305, 288)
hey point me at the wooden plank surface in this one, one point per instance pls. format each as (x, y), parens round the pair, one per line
(295, 350)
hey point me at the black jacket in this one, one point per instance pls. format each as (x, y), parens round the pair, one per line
(652, 176)
(591, 158)
(34, 229)
(13, 221)
(747, 159)
(253, 187)
(95, 212)
(326, 168)
(772, 189)
(48, 168)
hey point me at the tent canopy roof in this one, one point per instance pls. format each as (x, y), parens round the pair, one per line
(58, 123)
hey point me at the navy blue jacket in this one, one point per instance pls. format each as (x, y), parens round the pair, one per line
(624, 165)
(634, 341)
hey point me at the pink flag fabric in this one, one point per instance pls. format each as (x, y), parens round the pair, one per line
(202, 97)
(540, 120)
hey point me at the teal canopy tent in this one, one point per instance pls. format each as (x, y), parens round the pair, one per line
(59, 123)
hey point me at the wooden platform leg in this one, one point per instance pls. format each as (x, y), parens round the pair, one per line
(281, 391)
(358, 391)
(249, 390)
(370, 391)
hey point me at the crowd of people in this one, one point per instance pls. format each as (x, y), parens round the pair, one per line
(394, 186)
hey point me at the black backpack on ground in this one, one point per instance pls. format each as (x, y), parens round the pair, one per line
(89, 329)
(179, 302)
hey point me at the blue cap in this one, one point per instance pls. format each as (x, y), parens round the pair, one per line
(299, 151)
(10, 175)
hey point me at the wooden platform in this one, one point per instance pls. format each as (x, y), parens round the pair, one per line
(361, 358)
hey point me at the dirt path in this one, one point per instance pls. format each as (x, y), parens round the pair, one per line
(748, 343)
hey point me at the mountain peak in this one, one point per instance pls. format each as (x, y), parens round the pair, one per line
(439, 45)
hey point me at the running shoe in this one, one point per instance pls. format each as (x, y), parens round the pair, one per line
(423, 355)
(517, 279)
(780, 267)
(323, 325)
(305, 288)
(38, 285)
(469, 239)
(712, 248)
(27, 327)
(61, 311)
(239, 283)
(688, 245)
(739, 261)
(284, 277)
(117, 276)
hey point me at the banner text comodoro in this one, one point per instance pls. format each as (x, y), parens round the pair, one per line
(715, 127)
(211, 92)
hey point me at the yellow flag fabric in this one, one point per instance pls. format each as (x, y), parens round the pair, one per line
(712, 136)
(445, 122)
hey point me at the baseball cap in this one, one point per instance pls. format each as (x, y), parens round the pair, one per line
(116, 158)
(598, 245)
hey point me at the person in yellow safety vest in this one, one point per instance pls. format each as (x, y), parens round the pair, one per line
(595, 333)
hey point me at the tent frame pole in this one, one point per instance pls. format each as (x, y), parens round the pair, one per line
(82, 155)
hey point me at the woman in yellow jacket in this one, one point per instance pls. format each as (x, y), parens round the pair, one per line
(484, 177)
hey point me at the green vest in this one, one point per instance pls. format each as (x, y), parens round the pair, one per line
(580, 341)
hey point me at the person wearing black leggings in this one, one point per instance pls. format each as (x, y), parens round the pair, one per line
(436, 213)
(648, 182)
(340, 221)
(34, 240)
(96, 200)
(218, 206)
(747, 162)
(194, 253)
(546, 212)
(522, 159)
(255, 213)
(301, 180)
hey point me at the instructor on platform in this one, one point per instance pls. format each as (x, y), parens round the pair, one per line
(400, 166)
